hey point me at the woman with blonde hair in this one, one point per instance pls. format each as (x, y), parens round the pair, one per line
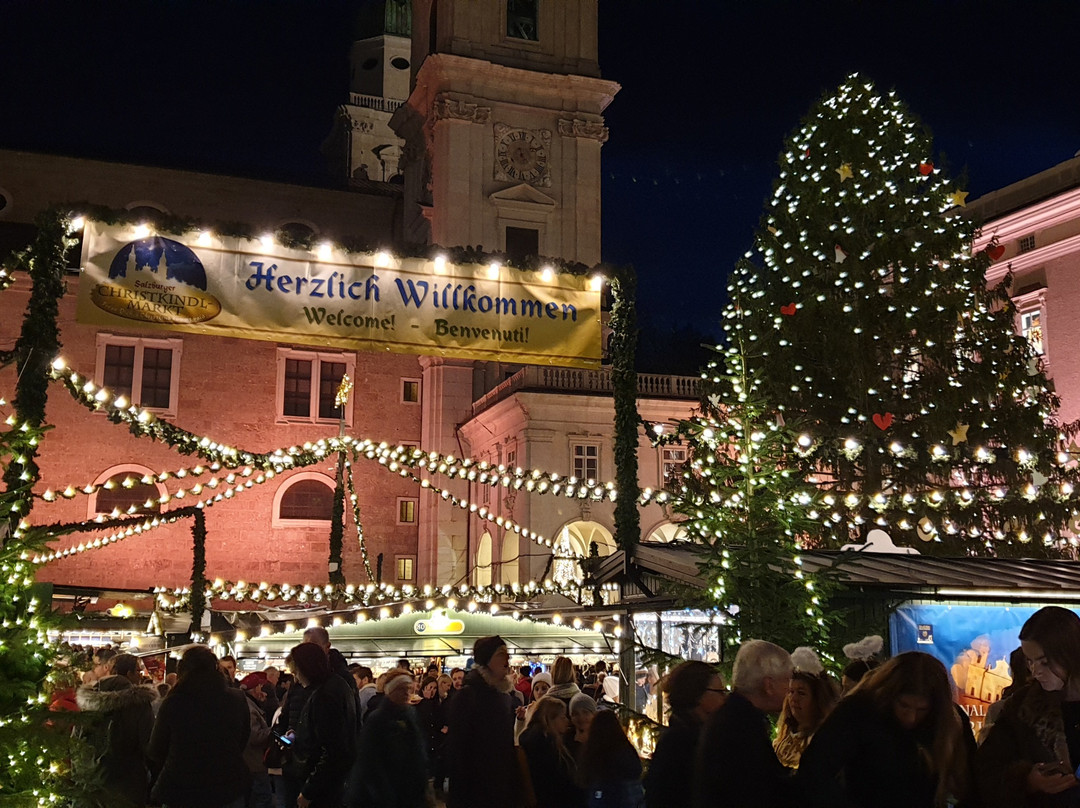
(564, 681)
(550, 764)
(895, 741)
(811, 697)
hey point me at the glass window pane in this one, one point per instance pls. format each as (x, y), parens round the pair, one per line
(119, 368)
(310, 500)
(297, 401)
(156, 377)
(330, 376)
(134, 497)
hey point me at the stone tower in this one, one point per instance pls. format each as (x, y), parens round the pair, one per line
(502, 129)
(362, 145)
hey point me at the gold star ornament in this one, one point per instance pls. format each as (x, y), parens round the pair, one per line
(959, 198)
(959, 435)
(845, 172)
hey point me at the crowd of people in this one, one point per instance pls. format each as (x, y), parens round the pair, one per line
(330, 735)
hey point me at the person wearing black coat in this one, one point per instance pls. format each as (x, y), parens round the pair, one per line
(325, 734)
(482, 762)
(895, 741)
(736, 765)
(393, 765)
(199, 738)
(121, 737)
(694, 692)
(552, 768)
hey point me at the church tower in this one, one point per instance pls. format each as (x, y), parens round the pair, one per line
(502, 129)
(362, 145)
(504, 125)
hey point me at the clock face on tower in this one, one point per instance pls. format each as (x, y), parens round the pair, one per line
(521, 155)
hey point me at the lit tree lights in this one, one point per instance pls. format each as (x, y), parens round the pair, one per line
(747, 506)
(869, 320)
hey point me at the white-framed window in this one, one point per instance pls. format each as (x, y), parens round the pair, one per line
(1031, 328)
(406, 510)
(305, 499)
(147, 371)
(406, 567)
(585, 461)
(307, 385)
(410, 391)
(1031, 319)
(123, 492)
(672, 460)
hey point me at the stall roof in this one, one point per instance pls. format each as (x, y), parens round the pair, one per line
(914, 574)
(418, 633)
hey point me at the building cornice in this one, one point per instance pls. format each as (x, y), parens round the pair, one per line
(1034, 258)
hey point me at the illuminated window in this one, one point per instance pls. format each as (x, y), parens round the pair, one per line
(406, 511)
(672, 459)
(307, 501)
(147, 371)
(406, 568)
(307, 384)
(585, 459)
(1031, 328)
(410, 391)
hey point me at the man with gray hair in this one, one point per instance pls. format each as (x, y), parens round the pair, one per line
(736, 765)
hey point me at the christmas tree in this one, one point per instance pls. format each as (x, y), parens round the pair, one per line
(926, 414)
(747, 507)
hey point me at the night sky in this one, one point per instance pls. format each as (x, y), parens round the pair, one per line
(710, 90)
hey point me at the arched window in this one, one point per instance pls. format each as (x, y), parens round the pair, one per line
(667, 532)
(483, 560)
(305, 498)
(123, 493)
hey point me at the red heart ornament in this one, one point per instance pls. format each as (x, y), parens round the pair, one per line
(788, 310)
(996, 251)
(926, 168)
(883, 421)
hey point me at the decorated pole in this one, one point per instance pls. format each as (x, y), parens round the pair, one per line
(337, 525)
(198, 571)
(627, 518)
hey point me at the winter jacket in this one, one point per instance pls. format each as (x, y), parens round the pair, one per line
(482, 762)
(622, 788)
(393, 765)
(431, 717)
(121, 735)
(736, 765)
(259, 738)
(198, 742)
(325, 741)
(1029, 730)
(669, 782)
(860, 757)
(553, 775)
(564, 693)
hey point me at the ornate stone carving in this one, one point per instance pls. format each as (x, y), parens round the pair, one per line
(576, 127)
(458, 110)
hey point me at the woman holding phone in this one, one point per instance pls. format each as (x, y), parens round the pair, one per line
(1032, 752)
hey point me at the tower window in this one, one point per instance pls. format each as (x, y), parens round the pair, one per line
(399, 63)
(521, 17)
(522, 242)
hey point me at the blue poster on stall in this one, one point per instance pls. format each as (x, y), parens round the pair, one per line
(972, 642)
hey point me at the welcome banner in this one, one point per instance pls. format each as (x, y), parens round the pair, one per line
(240, 288)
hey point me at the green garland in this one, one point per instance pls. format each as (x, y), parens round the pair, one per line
(198, 570)
(356, 517)
(180, 225)
(39, 340)
(624, 381)
(337, 525)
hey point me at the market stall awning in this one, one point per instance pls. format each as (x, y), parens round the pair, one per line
(436, 633)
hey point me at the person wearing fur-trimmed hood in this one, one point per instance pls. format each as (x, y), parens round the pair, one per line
(122, 735)
(482, 762)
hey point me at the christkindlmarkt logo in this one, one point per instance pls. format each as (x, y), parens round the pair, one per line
(157, 280)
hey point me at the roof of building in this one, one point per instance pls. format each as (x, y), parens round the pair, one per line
(914, 574)
(1044, 185)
